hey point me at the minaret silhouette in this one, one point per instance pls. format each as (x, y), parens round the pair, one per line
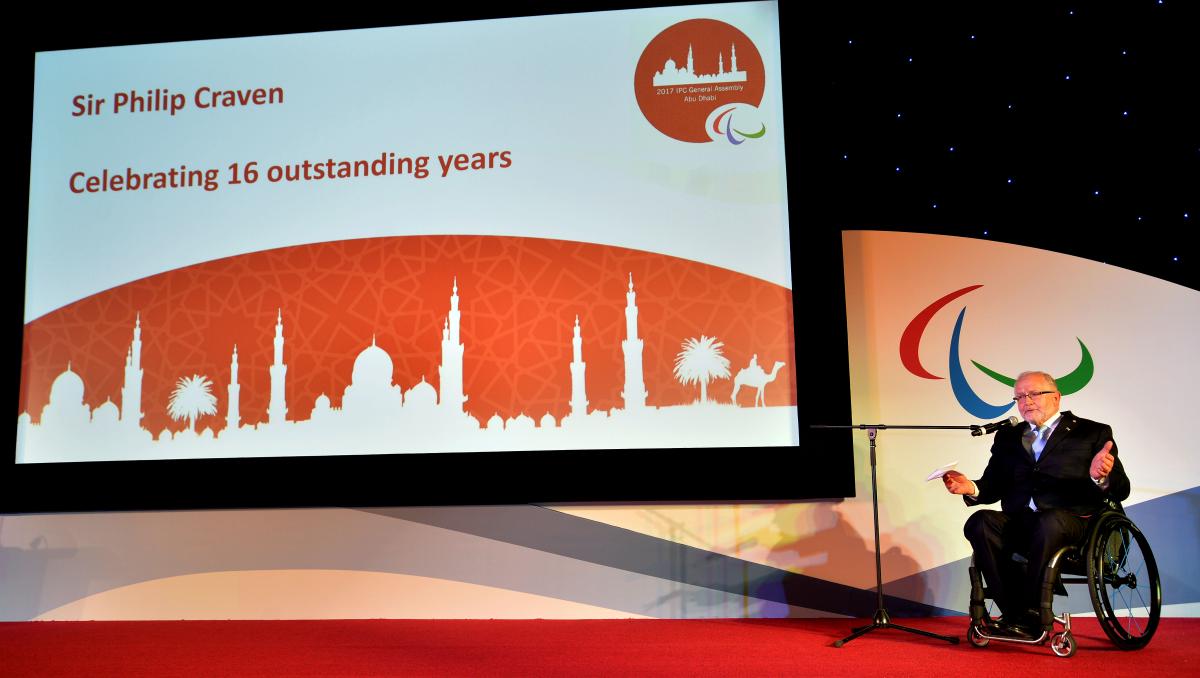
(721, 63)
(733, 58)
(635, 389)
(450, 372)
(233, 417)
(579, 401)
(691, 69)
(131, 391)
(277, 410)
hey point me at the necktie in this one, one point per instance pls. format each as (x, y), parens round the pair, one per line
(1039, 443)
(1034, 441)
(1027, 439)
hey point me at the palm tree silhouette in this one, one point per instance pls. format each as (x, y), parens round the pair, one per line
(192, 398)
(701, 361)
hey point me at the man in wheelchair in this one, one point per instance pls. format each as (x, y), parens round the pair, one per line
(1049, 475)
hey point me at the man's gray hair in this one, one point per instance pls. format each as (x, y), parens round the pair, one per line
(1038, 373)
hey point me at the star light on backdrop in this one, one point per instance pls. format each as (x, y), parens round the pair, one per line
(1069, 128)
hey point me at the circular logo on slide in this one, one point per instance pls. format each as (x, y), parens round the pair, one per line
(702, 80)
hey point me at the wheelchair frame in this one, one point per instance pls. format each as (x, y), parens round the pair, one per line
(1103, 565)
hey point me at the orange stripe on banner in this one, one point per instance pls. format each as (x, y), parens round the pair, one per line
(519, 298)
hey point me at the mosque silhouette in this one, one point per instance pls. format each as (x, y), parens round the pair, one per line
(377, 416)
(673, 74)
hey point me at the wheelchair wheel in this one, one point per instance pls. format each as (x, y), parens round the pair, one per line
(1063, 644)
(1123, 582)
(974, 637)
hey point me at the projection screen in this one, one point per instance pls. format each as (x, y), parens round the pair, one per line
(512, 236)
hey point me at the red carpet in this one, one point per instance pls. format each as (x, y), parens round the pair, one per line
(556, 648)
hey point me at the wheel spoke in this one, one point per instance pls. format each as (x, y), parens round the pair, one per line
(1124, 583)
(1145, 605)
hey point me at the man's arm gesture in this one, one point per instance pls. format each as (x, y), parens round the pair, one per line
(957, 483)
(1102, 463)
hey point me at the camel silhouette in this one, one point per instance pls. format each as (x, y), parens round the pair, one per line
(754, 377)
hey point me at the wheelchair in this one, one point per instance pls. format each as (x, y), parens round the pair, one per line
(1115, 561)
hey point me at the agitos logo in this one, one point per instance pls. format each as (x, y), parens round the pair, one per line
(910, 343)
(702, 80)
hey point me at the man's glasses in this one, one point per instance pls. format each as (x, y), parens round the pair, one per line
(1030, 396)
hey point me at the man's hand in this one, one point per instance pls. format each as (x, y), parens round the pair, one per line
(1102, 463)
(957, 483)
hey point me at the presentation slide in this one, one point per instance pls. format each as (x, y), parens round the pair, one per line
(559, 232)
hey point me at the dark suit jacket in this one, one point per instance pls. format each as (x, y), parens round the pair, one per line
(1059, 479)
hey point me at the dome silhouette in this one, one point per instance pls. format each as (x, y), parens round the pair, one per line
(372, 367)
(423, 395)
(371, 392)
(66, 406)
(106, 413)
(67, 388)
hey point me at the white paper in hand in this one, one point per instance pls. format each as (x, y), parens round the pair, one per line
(938, 473)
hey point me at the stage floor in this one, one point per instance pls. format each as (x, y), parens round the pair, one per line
(556, 648)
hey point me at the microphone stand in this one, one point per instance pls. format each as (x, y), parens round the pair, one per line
(882, 619)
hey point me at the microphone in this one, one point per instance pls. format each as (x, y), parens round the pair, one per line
(994, 426)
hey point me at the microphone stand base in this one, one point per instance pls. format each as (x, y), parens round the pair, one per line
(883, 621)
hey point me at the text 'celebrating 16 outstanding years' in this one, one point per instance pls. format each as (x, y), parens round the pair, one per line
(247, 173)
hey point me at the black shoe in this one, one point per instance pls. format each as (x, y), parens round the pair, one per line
(1022, 625)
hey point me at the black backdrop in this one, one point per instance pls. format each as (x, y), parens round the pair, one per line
(1043, 124)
